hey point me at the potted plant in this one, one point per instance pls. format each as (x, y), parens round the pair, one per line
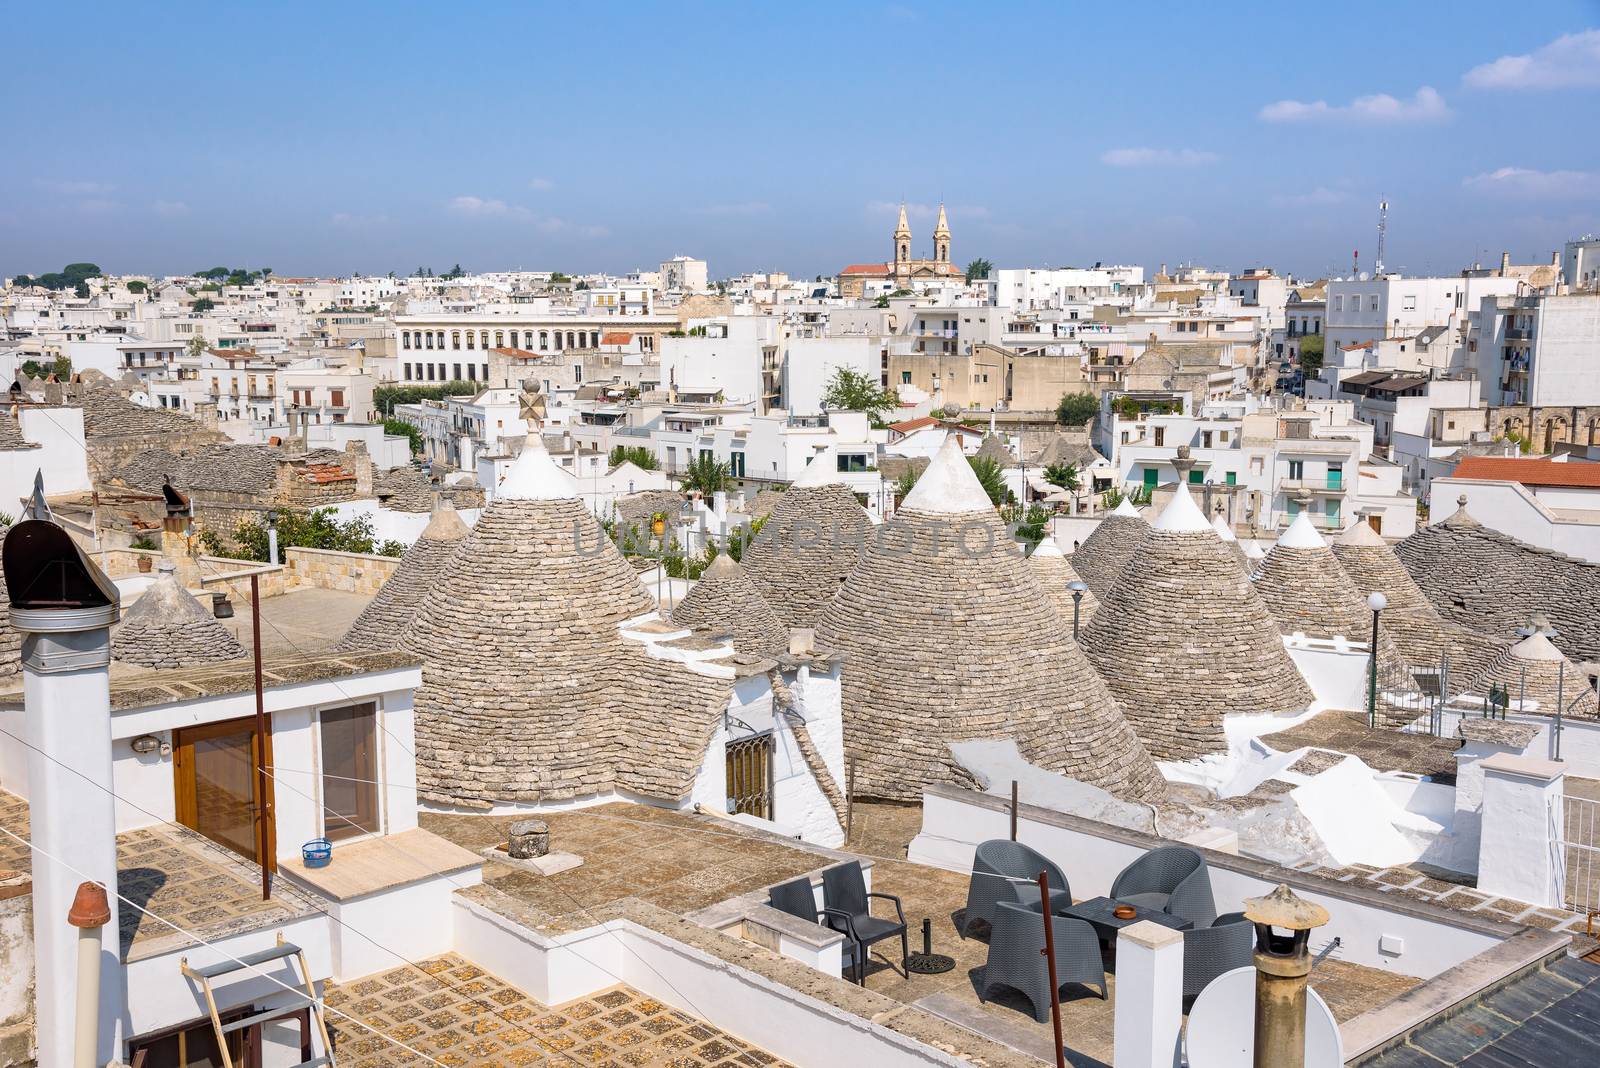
(142, 542)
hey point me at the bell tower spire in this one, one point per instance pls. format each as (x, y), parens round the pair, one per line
(941, 239)
(902, 239)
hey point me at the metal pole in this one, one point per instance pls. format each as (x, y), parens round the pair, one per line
(1013, 810)
(263, 806)
(849, 797)
(1050, 960)
(1522, 693)
(1077, 603)
(1372, 678)
(1561, 695)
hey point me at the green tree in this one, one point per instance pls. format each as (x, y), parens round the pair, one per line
(197, 345)
(705, 473)
(402, 429)
(136, 286)
(317, 529)
(1065, 476)
(1311, 355)
(638, 455)
(22, 281)
(81, 290)
(903, 488)
(1027, 525)
(856, 391)
(213, 273)
(556, 278)
(204, 304)
(978, 268)
(993, 478)
(454, 272)
(1076, 409)
(386, 397)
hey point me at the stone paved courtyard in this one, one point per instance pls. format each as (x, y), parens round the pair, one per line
(451, 1010)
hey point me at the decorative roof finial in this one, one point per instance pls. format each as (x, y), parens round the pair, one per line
(1184, 463)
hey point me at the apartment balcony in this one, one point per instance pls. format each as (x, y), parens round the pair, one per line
(1518, 334)
(1319, 520)
(1326, 487)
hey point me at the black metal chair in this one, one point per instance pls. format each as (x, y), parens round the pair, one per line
(847, 908)
(1003, 870)
(1208, 952)
(1171, 879)
(1016, 956)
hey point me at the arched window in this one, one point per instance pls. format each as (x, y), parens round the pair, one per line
(471, 340)
(499, 339)
(544, 339)
(405, 339)
(512, 337)
(594, 339)
(430, 339)
(455, 339)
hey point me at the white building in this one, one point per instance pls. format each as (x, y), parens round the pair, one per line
(683, 274)
(1540, 350)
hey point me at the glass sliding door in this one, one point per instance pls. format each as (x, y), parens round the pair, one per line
(349, 771)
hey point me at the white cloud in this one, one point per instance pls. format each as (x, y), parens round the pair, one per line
(1315, 198)
(1569, 62)
(1156, 157)
(542, 185)
(481, 208)
(1426, 106)
(169, 208)
(1531, 184)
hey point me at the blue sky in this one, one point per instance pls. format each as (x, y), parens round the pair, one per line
(333, 138)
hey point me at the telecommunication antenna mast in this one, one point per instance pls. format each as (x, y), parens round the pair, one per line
(1383, 226)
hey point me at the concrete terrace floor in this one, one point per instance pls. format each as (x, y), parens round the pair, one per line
(302, 620)
(676, 861)
(884, 830)
(454, 1012)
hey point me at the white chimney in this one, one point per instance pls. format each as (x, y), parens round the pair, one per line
(64, 607)
(719, 504)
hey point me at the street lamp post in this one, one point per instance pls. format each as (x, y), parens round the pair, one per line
(1077, 586)
(1377, 602)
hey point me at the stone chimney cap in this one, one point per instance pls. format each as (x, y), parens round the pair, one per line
(1283, 908)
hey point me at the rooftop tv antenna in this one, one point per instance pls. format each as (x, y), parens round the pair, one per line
(1383, 226)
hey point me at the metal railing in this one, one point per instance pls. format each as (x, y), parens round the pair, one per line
(1580, 834)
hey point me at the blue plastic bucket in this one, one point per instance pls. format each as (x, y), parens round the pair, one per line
(317, 853)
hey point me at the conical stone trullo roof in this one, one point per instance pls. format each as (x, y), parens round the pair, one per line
(949, 637)
(1492, 583)
(726, 601)
(1423, 636)
(1103, 554)
(809, 543)
(1054, 572)
(1537, 674)
(1231, 540)
(388, 615)
(1307, 592)
(168, 628)
(529, 691)
(1183, 640)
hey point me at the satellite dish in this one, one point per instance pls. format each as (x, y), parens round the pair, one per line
(1222, 1025)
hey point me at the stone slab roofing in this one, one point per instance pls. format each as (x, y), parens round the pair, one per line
(1055, 573)
(1493, 583)
(11, 437)
(168, 628)
(726, 601)
(1184, 640)
(809, 543)
(389, 614)
(950, 637)
(1535, 672)
(1423, 636)
(529, 691)
(1103, 554)
(108, 414)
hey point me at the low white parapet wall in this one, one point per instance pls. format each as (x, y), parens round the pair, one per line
(1374, 929)
(779, 1017)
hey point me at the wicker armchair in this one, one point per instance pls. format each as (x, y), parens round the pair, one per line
(1208, 952)
(1003, 870)
(1171, 879)
(846, 907)
(1016, 956)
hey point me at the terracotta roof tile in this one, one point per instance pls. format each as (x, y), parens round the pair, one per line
(1530, 472)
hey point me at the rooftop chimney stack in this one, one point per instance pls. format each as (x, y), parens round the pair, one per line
(64, 607)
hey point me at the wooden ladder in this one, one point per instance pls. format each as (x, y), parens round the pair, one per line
(281, 951)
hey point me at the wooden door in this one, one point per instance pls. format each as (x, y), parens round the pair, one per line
(215, 776)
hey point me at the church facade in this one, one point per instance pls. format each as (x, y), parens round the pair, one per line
(903, 271)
